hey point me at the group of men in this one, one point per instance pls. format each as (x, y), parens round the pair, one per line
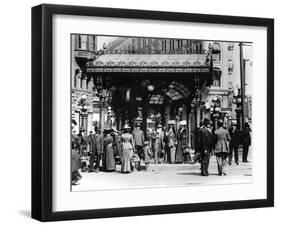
(221, 142)
(89, 145)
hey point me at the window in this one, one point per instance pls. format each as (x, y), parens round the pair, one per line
(216, 52)
(216, 79)
(231, 46)
(230, 66)
(82, 42)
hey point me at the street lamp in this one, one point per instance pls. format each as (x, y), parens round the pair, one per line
(83, 106)
(215, 110)
(238, 101)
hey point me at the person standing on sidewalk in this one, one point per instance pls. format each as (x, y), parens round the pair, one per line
(235, 136)
(246, 141)
(221, 147)
(206, 143)
(138, 141)
(99, 148)
(171, 142)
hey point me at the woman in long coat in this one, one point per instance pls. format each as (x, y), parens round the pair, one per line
(109, 162)
(182, 143)
(221, 147)
(128, 150)
(172, 142)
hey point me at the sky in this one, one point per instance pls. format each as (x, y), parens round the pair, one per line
(104, 39)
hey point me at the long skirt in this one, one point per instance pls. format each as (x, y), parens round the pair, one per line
(126, 157)
(126, 161)
(109, 159)
(172, 154)
(179, 154)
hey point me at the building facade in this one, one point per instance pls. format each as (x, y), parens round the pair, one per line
(152, 81)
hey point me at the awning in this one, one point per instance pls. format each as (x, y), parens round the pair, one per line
(149, 63)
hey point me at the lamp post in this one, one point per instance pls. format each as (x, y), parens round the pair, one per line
(198, 99)
(238, 101)
(104, 97)
(83, 107)
(215, 110)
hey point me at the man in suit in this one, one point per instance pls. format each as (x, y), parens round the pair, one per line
(221, 147)
(205, 147)
(246, 141)
(92, 150)
(139, 141)
(97, 147)
(234, 133)
(197, 152)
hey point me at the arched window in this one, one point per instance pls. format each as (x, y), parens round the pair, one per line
(75, 78)
(216, 51)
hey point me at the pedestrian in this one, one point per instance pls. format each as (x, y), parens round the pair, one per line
(82, 141)
(92, 150)
(75, 165)
(147, 154)
(206, 143)
(182, 153)
(221, 147)
(172, 141)
(117, 146)
(197, 153)
(235, 140)
(138, 141)
(158, 144)
(127, 150)
(99, 148)
(109, 161)
(246, 141)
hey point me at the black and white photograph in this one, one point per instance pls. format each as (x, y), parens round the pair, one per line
(151, 112)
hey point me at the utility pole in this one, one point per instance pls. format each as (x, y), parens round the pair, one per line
(242, 80)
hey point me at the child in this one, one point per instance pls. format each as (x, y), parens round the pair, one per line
(147, 154)
(135, 161)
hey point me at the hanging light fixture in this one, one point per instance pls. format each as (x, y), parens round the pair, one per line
(150, 87)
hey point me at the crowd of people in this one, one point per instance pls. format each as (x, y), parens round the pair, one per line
(134, 151)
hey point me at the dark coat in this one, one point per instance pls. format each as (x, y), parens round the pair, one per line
(182, 145)
(75, 161)
(205, 140)
(92, 143)
(245, 137)
(235, 135)
(197, 139)
(99, 142)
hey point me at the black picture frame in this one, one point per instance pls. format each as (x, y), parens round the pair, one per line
(42, 111)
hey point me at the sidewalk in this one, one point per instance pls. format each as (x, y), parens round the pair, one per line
(163, 175)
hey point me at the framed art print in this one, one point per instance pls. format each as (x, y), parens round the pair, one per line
(147, 112)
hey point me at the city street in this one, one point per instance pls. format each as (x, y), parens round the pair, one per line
(163, 175)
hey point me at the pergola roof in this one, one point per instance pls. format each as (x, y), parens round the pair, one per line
(174, 91)
(150, 60)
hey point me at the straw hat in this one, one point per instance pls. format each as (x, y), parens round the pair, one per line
(171, 122)
(183, 123)
(127, 127)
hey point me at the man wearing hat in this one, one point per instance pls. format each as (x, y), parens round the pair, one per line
(221, 147)
(246, 141)
(82, 141)
(138, 140)
(205, 146)
(235, 140)
(99, 147)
